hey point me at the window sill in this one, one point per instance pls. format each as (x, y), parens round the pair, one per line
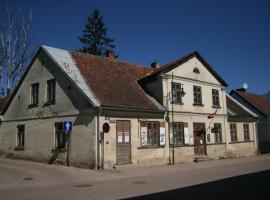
(177, 103)
(182, 145)
(19, 149)
(198, 104)
(216, 107)
(59, 150)
(48, 104)
(151, 147)
(216, 143)
(247, 141)
(33, 105)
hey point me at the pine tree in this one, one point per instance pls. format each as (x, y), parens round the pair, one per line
(94, 38)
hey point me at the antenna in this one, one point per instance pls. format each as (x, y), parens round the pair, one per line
(245, 85)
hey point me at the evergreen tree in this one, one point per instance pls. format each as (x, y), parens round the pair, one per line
(94, 38)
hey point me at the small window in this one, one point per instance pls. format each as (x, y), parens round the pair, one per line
(152, 133)
(60, 136)
(215, 98)
(218, 132)
(51, 91)
(20, 136)
(233, 130)
(34, 94)
(176, 93)
(246, 132)
(197, 92)
(196, 70)
(178, 133)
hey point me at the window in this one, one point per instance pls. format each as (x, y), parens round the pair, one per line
(233, 132)
(178, 133)
(176, 93)
(246, 132)
(196, 70)
(60, 136)
(51, 91)
(20, 136)
(34, 94)
(215, 98)
(152, 133)
(197, 92)
(218, 132)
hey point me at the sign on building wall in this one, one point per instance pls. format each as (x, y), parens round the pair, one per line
(143, 136)
(162, 140)
(186, 133)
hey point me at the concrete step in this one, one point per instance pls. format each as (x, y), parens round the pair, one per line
(202, 158)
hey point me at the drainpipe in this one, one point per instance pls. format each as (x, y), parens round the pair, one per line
(98, 138)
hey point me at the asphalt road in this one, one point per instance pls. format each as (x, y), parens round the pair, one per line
(245, 178)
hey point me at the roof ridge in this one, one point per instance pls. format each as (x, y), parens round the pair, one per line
(257, 95)
(109, 59)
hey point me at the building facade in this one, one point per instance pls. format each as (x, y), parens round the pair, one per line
(123, 113)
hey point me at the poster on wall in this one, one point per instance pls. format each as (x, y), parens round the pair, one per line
(119, 137)
(186, 133)
(143, 136)
(162, 139)
(126, 137)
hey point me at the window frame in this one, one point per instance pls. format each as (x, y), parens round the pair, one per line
(218, 132)
(246, 132)
(176, 96)
(60, 135)
(50, 92)
(233, 132)
(178, 129)
(34, 95)
(20, 144)
(197, 95)
(215, 98)
(156, 137)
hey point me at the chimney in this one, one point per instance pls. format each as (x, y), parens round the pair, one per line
(155, 65)
(110, 54)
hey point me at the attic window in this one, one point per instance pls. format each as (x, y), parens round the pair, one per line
(196, 70)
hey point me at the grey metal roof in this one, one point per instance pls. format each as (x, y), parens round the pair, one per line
(65, 62)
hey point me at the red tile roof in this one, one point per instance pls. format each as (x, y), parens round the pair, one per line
(114, 82)
(261, 103)
(237, 109)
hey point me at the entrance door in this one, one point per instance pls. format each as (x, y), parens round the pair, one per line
(123, 143)
(199, 139)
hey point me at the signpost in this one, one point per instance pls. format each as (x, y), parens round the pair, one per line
(67, 127)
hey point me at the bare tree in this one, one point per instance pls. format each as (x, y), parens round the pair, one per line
(14, 45)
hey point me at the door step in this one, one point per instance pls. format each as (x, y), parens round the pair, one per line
(202, 158)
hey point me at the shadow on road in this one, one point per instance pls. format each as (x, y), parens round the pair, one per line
(249, 186)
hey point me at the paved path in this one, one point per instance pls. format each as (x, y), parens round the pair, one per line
(30, 180)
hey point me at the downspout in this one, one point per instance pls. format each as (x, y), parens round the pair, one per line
(98, 138)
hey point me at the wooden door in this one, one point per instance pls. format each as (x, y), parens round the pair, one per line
(123, 142)
(199, 139)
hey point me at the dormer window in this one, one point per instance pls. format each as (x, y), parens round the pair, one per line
(196, 70)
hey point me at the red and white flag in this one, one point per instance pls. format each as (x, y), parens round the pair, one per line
(212, 115)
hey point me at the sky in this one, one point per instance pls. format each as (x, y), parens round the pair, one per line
(232, 35)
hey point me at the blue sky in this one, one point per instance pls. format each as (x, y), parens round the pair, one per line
(232, 35)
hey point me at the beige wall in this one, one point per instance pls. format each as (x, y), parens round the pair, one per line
(40, 140)
(241, 147)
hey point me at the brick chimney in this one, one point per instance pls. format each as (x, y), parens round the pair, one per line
(155, 65)
(110, 54)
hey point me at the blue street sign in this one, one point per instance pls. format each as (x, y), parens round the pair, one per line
(67, 126)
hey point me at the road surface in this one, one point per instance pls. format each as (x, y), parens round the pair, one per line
(243, 178)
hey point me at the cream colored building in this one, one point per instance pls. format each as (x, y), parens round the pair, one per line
(123, 113)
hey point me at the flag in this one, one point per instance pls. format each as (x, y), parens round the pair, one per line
(212, 115)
